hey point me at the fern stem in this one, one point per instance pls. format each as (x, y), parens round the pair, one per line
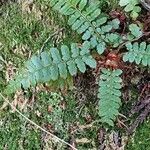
(136, 39)
(94, 27)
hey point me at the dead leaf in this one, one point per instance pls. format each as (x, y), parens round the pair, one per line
(19, 101)
(115, 142)
(10, 71)
(28, 6)
(83, 141)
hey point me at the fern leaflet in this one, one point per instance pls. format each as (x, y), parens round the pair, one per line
(52, 65)
(109, 95)
(138, 53)
(86, 18)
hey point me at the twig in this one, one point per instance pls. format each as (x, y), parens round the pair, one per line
(47, 40)
(122, 115)
(33, 123)
(123, 44)
(145, 4)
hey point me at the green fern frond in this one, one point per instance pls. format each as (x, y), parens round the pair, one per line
(53, 65)
(109, 95)
(86, 18)
(131, 6)
(138, 53)
(113, 39)
(135, 30)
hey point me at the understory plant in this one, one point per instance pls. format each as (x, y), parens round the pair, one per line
(131, 6)
(103, 48)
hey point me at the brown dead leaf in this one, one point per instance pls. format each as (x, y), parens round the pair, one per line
(10, 71)
(50, 109)
(83, 141)
(115, 142)
(21, 50)
(28, 6)
(19, 101)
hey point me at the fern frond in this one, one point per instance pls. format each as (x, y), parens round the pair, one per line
(54, 64)
(131, 6)
(109, 95)
(138, 53)
(86, 18)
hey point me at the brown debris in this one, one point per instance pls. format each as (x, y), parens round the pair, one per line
(116, 142)
(112, 141)
(142, 106)
(101, 139)
(19, 101)
(145, 106)
(10, 71)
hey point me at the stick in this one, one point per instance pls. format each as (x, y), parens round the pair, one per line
(33, 123)
(123, 44)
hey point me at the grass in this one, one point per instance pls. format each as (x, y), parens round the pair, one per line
(23, 32)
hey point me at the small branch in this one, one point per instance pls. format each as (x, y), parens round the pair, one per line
(39, 127)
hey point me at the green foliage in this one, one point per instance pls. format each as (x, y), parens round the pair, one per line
(19, 30)
(47, 110)
(13, 128)
(109, 95)
(54, 117)
(135, 30)
(86, 18)
(141, 139)
(98, 33)
(131, 6)
(138, 53)
(52, 65)
(113, 39)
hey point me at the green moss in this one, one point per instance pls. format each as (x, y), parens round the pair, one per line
(22, 34)
(141, 139)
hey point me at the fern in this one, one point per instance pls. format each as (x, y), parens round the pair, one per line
(87, 19)
(52, 64)
(138, 53)
(135, 30)
(131, 6)
(109, 95)
(97, 33)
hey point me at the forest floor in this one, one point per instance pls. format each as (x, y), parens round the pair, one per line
(24, 27)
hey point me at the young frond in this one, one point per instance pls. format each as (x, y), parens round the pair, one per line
(138, 53)
(52, 65)
(109, 95)
(86, 18)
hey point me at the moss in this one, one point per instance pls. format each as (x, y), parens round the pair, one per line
(22, 34)
(141, 139)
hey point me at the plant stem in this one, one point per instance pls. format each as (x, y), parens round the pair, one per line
(123, 44)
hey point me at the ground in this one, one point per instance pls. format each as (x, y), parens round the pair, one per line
(69, 115)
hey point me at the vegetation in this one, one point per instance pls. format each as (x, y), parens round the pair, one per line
(42, 64)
